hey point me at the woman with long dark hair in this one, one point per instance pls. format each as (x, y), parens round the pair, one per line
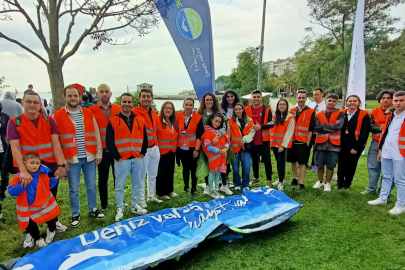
(353, 140)
(229, 100)
(167, 133)
(209, 105)
(281, 137)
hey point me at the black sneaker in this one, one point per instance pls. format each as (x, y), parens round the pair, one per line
(302, 186)
(294, 182)
(186, 189)
(75, 221)
(2, 197)
(193, 192)
(96, 213)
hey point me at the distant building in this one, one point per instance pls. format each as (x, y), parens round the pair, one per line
(219, 86)
(188, 93)
(144, 86)
(279, 66)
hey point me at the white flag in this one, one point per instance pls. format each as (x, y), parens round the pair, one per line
(357, 74)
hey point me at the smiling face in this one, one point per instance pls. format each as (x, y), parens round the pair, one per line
(331, 103)
(168, 110)
(145, 99)
(31, 104)
(72, 97)
(126, 104)
(238, 110)
(209, 102)
(216, 122)
(282, 106)
(188, 106)
(32, 164)
(353, 103)
(301, 99)
(230, 98)
(257, 99)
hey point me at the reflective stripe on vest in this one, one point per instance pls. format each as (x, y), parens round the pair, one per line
(379, 119)
(278, 132)
(214, 160)
(362, 114)
(236, 134)
(167, 138)
(190, 137)
(302, 125)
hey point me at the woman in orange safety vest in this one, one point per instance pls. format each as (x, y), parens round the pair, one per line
(242, 133)
(167, 133)
(353, 140)
(281, 137)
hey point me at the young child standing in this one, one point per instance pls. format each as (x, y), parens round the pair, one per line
(216, 153)
(35, 202)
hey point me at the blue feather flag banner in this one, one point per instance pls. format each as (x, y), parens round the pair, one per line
(189, 24)
(144, 241)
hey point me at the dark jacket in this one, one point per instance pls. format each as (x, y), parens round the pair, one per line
(269, 124)
(3, 130)
(349, 141)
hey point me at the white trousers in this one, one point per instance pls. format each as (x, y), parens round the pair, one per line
(150, 168)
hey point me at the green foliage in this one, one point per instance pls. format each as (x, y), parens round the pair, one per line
(135, 99)
(222, 79)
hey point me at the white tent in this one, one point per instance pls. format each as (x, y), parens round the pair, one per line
(264, 94)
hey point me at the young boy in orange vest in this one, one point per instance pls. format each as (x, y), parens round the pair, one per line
(35, 203)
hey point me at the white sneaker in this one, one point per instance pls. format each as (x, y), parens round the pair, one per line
(237, 188)
(29, 241)
(154, 199)
(219, 194)
(280, 187)
(60, 227)
(377, 202)
(207, 190)
(365, 192)
(49, 236)
(173, 194)
(226, 190)
(213, 194)
(166, 197)
(397, 210)
(143, 204)
(137, 209)
(327, 187)
(119, 214)
(41, 243)
(318, 184)
(275, 183)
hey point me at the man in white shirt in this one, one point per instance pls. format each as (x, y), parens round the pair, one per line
(318, 105)
(392, 155)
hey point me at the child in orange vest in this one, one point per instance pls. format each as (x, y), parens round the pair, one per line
(35, 202)
(216, 153)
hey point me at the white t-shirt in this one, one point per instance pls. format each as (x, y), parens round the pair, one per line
(228, 113)
(318, 107)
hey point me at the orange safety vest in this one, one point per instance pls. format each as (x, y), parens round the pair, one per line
(278, 132)
(266, 133)
(236, 135)
(67, 132)
(128, 143)
(401, 137)
(215, 160)
(302, 125)
(333, 137)
(44, 208)
(102, 121)
(379, 119)
(167, 139)
(37, 140)
(362, 113)
(189, 137)
(149, 124)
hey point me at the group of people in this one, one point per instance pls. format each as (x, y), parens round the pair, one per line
(209, 143)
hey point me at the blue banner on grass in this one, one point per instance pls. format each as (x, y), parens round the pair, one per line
(189, 23)
(144, 241)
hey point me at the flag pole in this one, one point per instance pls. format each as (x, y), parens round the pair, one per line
(261, 47)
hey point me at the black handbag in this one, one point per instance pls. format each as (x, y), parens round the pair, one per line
(248, 146)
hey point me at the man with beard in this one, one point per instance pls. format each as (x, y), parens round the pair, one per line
(81, 144)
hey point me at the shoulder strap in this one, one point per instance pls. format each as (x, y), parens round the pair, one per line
(18, 120)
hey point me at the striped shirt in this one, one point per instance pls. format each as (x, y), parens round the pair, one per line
(80, 142)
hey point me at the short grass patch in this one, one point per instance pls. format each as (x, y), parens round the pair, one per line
(336, 230)
(371, 104)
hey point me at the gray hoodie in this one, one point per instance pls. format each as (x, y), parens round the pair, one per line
(10, 106)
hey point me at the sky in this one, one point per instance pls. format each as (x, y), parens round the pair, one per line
(153, 58)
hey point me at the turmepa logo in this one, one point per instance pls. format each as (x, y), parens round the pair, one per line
(189, 23)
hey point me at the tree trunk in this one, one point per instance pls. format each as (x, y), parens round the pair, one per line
(56, 81)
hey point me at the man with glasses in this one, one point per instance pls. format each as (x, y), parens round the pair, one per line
(33, 132)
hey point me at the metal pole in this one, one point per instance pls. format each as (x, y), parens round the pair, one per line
(259, 80)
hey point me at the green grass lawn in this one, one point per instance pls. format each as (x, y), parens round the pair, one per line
(336, 230)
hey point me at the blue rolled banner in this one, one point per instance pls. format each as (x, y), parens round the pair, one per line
(144, 241)
(189, 23)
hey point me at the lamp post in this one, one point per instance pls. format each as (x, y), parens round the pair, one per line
(261, 48)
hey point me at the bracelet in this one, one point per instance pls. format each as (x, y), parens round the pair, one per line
(63, 166)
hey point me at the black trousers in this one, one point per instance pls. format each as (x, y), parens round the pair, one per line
(312, 146)
(347, 168)
(165, 176)
(189, 167)
(33, 230)
(103, 175)
(263, 151)
(5, 175)
(281, 159)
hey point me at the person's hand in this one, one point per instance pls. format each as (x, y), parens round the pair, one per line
(98, 161)
(141, 156)
(353, 152)
(67, 166)
(379, 156)
(60, 173)
(250, 101)
(382, 127)
(308, 143)
(215, 140)
(293, 112)
(257, 126)
(280, 149)
(241, 143)
(224, 152)
(196, 154)
(337, 122)
(25, 178)
(119, 160)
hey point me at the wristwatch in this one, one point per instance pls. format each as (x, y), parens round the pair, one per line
(63, 165)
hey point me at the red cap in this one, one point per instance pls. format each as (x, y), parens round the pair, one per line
(78, 87)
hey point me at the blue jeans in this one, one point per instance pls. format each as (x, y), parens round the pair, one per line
(245, 159)
(122, 170)
(89, 173)
(393, 169)
(374, 168)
